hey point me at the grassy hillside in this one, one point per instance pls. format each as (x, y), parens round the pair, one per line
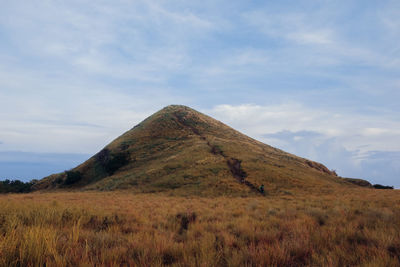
(359, 228)
(185, 152)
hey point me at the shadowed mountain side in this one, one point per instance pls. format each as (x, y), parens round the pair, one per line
(186, 152)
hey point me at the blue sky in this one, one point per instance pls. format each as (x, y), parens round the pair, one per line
(320, 79)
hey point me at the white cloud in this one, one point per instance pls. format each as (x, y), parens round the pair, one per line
(354, 131)
(376, 131)
(324, 36)
(291, 26)
(319, 38)
(72, 119)
(142, 40)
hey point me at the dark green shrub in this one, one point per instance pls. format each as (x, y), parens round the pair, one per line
(109, 162)
(379, 186)
(72, 177)
(59, 180)
(15, 186)
(117, 161)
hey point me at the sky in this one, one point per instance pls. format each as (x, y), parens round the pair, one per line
(317, 78)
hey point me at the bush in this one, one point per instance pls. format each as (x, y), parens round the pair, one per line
(72, 177)
(117, 161)
(379, 186)
(111, 162)
(15, 186)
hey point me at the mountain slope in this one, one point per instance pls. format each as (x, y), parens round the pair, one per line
(186, 152)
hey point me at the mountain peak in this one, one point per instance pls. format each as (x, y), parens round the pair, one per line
(182, 151)
(181, 111)
(175, 107)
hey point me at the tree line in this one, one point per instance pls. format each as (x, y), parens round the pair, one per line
(15, 186)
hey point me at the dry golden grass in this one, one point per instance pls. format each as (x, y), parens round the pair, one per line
(350, 227)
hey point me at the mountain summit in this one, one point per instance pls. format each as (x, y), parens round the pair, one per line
(183, 151)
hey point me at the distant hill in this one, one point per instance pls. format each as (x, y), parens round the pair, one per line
(359, 182)
(185, 152)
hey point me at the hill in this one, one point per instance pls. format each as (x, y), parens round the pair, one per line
(184, 152)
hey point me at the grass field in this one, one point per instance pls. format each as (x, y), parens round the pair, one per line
(351, 227)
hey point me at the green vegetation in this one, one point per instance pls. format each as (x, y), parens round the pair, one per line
(364, 183)
(115, 162)
(72, 177)
(15, 186)
(379, 186)
(111, 162)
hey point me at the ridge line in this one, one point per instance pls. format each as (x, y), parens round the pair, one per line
(234, 164)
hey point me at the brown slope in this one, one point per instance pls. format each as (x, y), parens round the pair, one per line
(186, 152)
